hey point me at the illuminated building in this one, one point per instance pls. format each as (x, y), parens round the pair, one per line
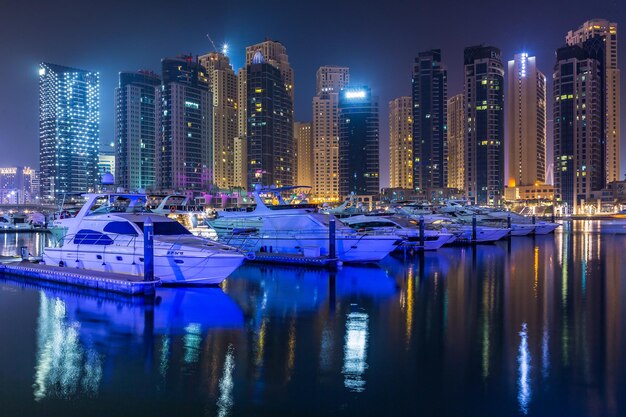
(358, 142)
(484, 125)
(526, 122)
(136, 130)
(304, 153)
(223, 82)
(330, 80)
(578, 121)
(184, 141)
(275, 54)
(241, 143)
(456, 142)
(599, 38)
(270, 126)
(69, 130)
(106, 163)
(18, 185)
(401, 143)
(430, 145)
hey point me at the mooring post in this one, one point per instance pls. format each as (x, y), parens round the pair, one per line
(508, 221)
(331, 238)
(148, 250)
(534, 219)
(473, 228)
(422, 231)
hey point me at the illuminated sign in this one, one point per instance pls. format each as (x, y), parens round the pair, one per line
(355, 94)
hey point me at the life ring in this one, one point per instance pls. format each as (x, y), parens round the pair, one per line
(172, 209)
(250, 256)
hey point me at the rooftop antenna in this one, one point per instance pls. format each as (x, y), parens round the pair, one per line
(212, 43)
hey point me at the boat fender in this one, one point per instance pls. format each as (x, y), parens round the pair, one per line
(250, 256)
(61, 263)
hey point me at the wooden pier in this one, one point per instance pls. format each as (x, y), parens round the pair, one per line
(94, 280)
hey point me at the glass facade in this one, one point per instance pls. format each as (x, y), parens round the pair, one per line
(430, 144)
(484, 126)
(136, 130)
(358, 142)
(184, 119)
(69, 130)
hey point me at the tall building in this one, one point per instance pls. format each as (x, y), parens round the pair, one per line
(184, 143)
(17, 185)
(358, 142)
(401, 143)
(430, 145)
(484, 125)
(456, 142)
(578, 125)
(275, 54)
(304, 153)
(241, 142)
(136, 130)
(69, 130)
(599, 38)
(223, 84)
(526, 122)
(330, 80)
(270, 125)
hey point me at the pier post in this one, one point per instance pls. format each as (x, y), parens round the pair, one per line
(422, 231)
(473, 228)
(508, 221)
(148, 250)
(24, 253)
(534, 219)
(332, 253)
(552, 217)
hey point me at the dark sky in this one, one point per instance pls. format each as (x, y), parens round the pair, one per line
(377, 40)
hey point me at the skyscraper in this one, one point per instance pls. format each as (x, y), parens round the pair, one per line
(304, 153)
(69, 130)
(136, 130)
(484, 128)
(599, 38)
(526, 125)
(578, 126)
(184, 143)
(275, 54)
(430, 95)
(358, 142)
(223, 84)
(456, 142)
(330, 80)
(270, 142)
(241, 142)
(401, 143)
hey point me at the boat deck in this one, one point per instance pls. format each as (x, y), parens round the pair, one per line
(96, 280)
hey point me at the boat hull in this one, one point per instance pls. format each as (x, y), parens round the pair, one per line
(171, 270)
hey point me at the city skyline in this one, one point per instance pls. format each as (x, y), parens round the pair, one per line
(129, 49)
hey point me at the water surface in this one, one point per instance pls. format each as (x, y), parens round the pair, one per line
(530, 326)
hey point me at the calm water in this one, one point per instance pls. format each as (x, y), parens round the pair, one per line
(533, 326)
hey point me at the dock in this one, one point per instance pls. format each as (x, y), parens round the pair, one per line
(293, 259)
(94, 280)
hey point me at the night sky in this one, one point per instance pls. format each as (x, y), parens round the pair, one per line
(377, 40)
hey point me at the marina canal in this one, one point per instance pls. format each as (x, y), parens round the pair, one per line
(525, 326)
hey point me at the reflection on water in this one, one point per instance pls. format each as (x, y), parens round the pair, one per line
(355, 351)
(530, 326)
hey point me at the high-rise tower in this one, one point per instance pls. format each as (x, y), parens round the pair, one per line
(136, 130)
(401, 143)
(69, 130)
(430, 146)
(484, 128)
(456, 142)
(526, 125)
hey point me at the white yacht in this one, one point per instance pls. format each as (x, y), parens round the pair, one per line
(404, 228)
(107, 235)
(463, 232)
(541, 227)
(297, 229)
(485, 217)
(182, 209)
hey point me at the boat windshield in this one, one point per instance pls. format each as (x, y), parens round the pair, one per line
(166, 228)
